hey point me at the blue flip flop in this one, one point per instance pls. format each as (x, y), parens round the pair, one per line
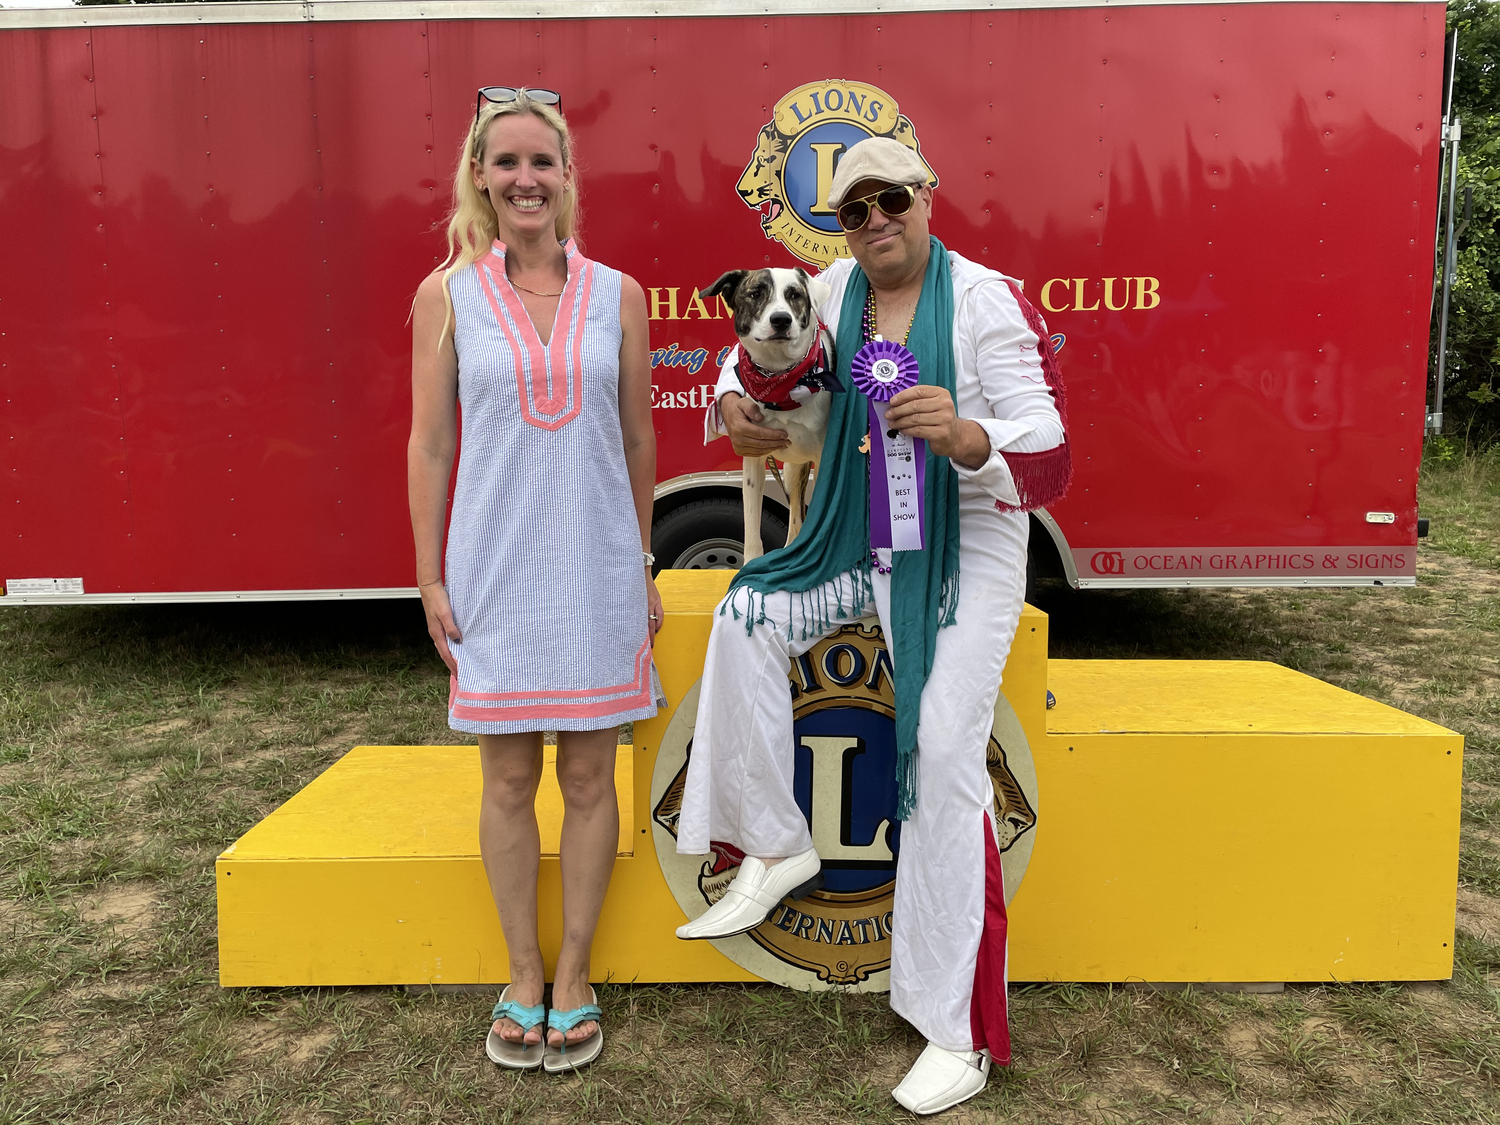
(571, 1056)
(504, 1052)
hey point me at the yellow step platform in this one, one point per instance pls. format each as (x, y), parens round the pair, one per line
(1184, 821)
(1238, 821)
(428, 803)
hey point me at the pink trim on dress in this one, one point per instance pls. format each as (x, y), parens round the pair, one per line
(635, 685)
(640, 689)
(536, 351)
(575, 369)
(544, 712)
(546, 371)
(525, 362)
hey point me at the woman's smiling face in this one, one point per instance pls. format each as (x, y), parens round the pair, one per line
(523, 174)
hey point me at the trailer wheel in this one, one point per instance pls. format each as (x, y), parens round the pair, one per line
(710, 535)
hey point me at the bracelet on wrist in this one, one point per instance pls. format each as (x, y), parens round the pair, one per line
(648, 559)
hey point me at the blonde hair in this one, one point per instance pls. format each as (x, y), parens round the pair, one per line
(472, 224)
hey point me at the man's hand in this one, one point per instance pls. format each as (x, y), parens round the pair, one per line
(749, 439)
(928, 413)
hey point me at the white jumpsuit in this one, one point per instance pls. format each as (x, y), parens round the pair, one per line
(739, 782)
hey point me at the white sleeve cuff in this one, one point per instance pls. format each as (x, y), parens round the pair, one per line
(994, 476)
(713, 423)
(729, 380)
(713, 418)
(1004, 432)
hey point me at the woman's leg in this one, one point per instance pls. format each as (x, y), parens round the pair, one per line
(590, 841)
(511, 847)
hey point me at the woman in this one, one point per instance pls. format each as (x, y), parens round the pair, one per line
(543, 609)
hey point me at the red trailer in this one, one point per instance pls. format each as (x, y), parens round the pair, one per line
(215, 217)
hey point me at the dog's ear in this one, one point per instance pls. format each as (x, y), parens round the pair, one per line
(819, 291)
(728, 285)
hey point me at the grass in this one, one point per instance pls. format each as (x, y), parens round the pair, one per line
(135, 742)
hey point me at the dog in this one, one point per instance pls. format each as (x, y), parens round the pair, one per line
(786, 366)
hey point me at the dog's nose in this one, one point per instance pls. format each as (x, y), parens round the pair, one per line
(781, 322)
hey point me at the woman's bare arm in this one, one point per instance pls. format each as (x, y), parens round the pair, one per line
(635, 422)
(429, 454)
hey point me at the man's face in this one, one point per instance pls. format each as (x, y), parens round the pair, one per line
(890, 249)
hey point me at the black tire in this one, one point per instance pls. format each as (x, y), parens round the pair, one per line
(710, 535)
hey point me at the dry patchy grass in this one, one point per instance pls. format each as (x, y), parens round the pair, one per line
(136, 742)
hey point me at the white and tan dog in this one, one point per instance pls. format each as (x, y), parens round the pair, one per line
(786, 367)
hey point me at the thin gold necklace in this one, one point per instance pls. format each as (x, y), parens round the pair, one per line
(533, 292)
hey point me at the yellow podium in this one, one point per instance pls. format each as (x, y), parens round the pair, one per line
(1167, 821)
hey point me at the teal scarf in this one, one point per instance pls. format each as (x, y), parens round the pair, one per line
(835, 538)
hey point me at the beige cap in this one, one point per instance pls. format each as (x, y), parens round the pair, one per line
(877, 158)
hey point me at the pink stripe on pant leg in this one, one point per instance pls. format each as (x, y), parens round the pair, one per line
(988, 1012)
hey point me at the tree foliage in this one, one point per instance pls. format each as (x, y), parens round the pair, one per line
(1471, 402)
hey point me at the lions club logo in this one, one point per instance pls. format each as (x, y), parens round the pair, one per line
(797, 152)
(844, 710)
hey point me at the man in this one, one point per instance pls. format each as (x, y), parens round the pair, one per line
(989, 408)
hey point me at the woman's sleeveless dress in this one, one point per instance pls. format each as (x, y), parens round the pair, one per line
(544, 554)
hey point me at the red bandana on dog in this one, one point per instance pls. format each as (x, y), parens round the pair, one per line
(774, 391)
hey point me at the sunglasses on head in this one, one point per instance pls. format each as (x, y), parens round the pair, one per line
(499, 95)
(893, 201)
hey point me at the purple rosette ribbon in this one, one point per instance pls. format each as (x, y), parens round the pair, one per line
(883, 368)
(898, 464)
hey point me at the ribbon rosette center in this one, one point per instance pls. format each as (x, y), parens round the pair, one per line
(883, 368)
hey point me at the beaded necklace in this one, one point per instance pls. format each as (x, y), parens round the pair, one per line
(869, 320)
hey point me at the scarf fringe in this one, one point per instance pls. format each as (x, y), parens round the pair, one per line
(948, 601)
(753, 616)
(906, 783)
(819, 608)
(1041, 478)
(816, 608)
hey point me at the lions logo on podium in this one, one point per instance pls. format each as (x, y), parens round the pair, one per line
(797, 152)
(844, 709)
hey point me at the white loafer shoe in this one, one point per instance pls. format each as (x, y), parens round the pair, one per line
(941, 1078)
(754, 893)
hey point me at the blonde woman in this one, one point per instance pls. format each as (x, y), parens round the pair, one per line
(543, 606)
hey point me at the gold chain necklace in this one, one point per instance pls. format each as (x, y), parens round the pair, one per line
(559, 293)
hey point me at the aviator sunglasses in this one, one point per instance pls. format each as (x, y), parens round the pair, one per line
(499, 95)
(892, 201)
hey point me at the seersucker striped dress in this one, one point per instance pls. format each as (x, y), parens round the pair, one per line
(544, 553)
